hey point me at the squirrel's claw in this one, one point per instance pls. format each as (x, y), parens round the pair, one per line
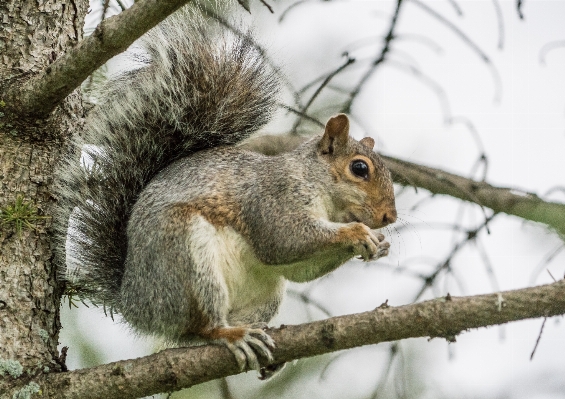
(254, 342)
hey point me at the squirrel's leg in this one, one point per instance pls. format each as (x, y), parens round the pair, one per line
(209, 259)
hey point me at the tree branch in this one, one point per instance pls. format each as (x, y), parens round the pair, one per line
(42, 93)
(500, 199)
(174, 369)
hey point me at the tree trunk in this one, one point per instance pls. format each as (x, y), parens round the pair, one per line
(32, 35)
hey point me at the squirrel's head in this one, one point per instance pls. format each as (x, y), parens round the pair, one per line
(362, 189)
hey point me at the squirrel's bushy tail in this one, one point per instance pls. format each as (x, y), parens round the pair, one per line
(201, 87)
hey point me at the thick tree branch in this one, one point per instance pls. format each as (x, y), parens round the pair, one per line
(174, 369)
(42, 93)
(510, 201)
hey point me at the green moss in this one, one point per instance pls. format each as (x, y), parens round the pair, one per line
(21, 214)
(11, 367)
(27, 391)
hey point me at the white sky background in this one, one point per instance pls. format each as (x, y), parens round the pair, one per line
(523, 135)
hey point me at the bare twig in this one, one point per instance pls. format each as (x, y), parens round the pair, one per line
(283, 15)
(545, 261)
(467, 40)
(381, 57)
(456, 7)
(446, 264)
(539, 338)
(519, 4)
(303, 115)
(500, 21)
(327, 80)
(267, 5)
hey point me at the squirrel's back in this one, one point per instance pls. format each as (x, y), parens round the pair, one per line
(200, 88)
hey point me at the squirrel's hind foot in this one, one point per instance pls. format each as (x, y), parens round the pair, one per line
(245, 343)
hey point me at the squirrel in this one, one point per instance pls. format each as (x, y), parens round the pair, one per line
(183, 227)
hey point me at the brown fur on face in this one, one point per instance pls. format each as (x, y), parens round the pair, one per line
(369, 200)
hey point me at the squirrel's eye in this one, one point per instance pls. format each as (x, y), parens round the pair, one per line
(360, 168)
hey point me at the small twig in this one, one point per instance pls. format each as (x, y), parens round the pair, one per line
(381, 57)
(446, 264)
(500, 21)
(456, 7)
(121, 4)
(519, 4)
(302, 114)
(539, 338)
(267, 5)
(327, 80)
(283, 15)
(545, 261)
(467, 40)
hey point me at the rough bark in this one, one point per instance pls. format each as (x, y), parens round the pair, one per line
(32, 35)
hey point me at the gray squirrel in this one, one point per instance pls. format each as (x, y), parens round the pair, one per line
(189, 235)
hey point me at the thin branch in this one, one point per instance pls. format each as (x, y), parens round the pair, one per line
(173, 369)
(500, 21)
(446, 264)
(283, 15)
(430, 83)
(545, 261)
(456, 7)
(519, 4)
(42, 93)
(381, 57)
(267, 5)
(122, 5)
(302, 114)
(467, 40)
(327, 80)
(539, 338)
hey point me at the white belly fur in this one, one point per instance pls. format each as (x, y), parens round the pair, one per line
(249, 283)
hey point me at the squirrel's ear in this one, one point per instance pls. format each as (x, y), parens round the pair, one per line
(336, 134)
(368, 142)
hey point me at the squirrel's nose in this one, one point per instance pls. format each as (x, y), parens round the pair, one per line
(389, 216)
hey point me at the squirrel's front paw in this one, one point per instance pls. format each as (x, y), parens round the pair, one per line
(382, 247)
(367, 244)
